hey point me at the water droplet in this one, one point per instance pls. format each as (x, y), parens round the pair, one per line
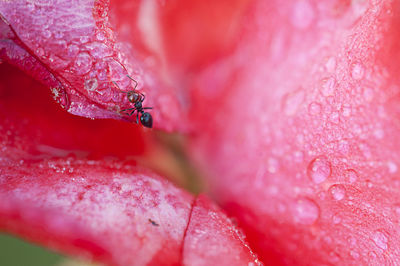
(72, 50)
(30, 7)
(328, 86)
(298, 156)
(292, 102)
(101, 36)
(331, 64)
(380, 240)
(272, 165)
(57, 62)
(365, 149)
(84, 39)
(351, 175)
(328, 240)
(368, 94)
(58, 34)
(338, 192)
(39, 52)
(83, 63)
(357, 71)
(319, 170)
(346, 111)
(344, 146)
(372, 255)
(99, 50)
(336, 219)
(379, 133)
(91, 84)
(359, 7)
(61, 43)
(314, 108)
(397, 210)
(392, 167)
(352, 241)
(305, 211)
(303, 14)
(46, 34)
(334, 117)
(355, 254)
(43, 3)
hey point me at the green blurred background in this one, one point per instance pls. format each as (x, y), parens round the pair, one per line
(15, 252)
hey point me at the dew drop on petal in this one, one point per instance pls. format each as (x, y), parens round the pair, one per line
(372, 255)
(319, 170)
(368, 94)
(336, 219)
(101, 36)
(98, 49)
(359, 7)
(380, 240)
(331, 64)
(338, 192)
(357, 71)
(344, 146)
(72, 50)
(314, 108)
(379, 133)
(91, 84)
(83, 63)
(328, 86)
(292, 101)
(302, 14)
(354, 254)
(272, 165)
(39, 52)
(46, 34)
(334, 117)
(346, 111)
(397, 210)
(392, 167)
(305, 211)
(351, 175)
(84, 39)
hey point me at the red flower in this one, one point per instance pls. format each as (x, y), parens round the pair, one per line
(290, 111)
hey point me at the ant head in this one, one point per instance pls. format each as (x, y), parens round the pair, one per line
(146, 120)
(133, 96)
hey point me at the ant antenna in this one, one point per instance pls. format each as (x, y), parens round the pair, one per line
(115, 83)
(136, 83)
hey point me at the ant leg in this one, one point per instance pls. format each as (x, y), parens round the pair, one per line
(133, 112)
(126, 111)
(123, 110)
(115, 83)
(136, 84)
(137, 118)
(147, 108)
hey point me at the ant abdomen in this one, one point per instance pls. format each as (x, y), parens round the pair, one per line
(146, 120)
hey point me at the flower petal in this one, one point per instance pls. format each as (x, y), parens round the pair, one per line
(304, 147)
(72, 47)
(86, 197)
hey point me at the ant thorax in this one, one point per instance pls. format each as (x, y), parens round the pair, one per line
(138, 105)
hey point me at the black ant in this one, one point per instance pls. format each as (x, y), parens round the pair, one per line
(137, 98)
(153, 222)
